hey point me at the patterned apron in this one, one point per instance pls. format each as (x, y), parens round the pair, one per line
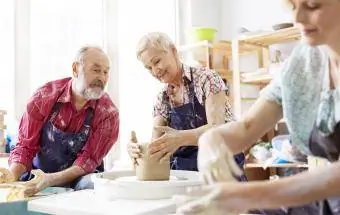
(190, 116)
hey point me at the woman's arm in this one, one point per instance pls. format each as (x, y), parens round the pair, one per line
(240, 135)
(158, 121)
(214, 108)
(300, 189)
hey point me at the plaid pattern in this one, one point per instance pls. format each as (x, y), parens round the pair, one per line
(104, 126)
(206, 82)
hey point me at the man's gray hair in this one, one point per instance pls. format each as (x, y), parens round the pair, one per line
(157, 40)
(82, 51)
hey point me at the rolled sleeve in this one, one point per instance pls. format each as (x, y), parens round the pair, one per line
(272, 92)
(100, 141)
(160, 107)
(29, 133)
(212, 83)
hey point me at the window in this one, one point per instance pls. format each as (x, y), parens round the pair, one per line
(58, 29)
(138, 89)
(7, 57)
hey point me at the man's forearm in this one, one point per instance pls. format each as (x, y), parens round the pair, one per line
(17, 169)
(65, 177)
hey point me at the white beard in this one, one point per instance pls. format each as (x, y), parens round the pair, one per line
(88, 93)
(91, 94)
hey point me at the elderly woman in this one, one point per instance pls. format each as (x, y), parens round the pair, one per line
(192, 100)
(306, 93)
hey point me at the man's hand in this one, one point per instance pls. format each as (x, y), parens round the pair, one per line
(38, 183)
(165, 146)
(133, 148)
(6, 176)
(23, 190)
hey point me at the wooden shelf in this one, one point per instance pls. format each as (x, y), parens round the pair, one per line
(221, 46)
(257, 81)
(189, 47)
(249, 99)
(256, 42)
(284, 165)
(225, 73)
(282, 121)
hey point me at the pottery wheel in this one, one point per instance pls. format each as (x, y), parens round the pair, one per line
(134, 179)
(124, 185)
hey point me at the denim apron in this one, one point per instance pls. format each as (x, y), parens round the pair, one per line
(190, 116)
(59, 149)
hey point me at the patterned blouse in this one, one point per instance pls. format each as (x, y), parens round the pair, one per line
(302, 88)
(206, 82)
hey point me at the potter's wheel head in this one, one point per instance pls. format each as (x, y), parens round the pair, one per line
(134, 178)
(124, 185)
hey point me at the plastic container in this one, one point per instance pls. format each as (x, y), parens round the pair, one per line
(277, 141)
(20, 207)
(201, 33)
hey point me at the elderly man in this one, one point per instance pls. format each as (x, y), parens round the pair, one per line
(68, 127)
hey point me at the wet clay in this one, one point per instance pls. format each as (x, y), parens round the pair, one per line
(149, 169)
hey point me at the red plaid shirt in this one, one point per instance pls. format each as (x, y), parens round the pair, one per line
(103, 133)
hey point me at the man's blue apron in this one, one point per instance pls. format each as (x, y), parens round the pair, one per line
(190, 116)
(59, 149)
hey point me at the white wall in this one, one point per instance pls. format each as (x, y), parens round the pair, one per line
(198, 13)
(228, 15)
(251, 14)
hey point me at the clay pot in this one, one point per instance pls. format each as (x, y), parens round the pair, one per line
(149, 169)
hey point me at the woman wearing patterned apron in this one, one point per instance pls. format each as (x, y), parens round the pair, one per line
(192, 101)
(307, 94)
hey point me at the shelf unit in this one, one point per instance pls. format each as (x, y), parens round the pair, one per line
(212, 51)
(233, 50)
(256, 44)
(259, 44)
(2, 130)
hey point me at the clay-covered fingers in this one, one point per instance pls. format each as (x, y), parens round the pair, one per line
(39, 177)
(134, 150)
(6, 176)
(161, 155)
(133, 137)
(165, 158)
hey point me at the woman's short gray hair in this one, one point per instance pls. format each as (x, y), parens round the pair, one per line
(157, 40)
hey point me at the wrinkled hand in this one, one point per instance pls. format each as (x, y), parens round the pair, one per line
(38, 183)
(133, 148)
(23, 190)
(214, 199)
(215, 161)
(6, 176)
(165, 146)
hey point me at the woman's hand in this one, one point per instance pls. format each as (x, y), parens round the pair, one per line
(133, 148)
(214, 199)
(165, 146)
(215, 161)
